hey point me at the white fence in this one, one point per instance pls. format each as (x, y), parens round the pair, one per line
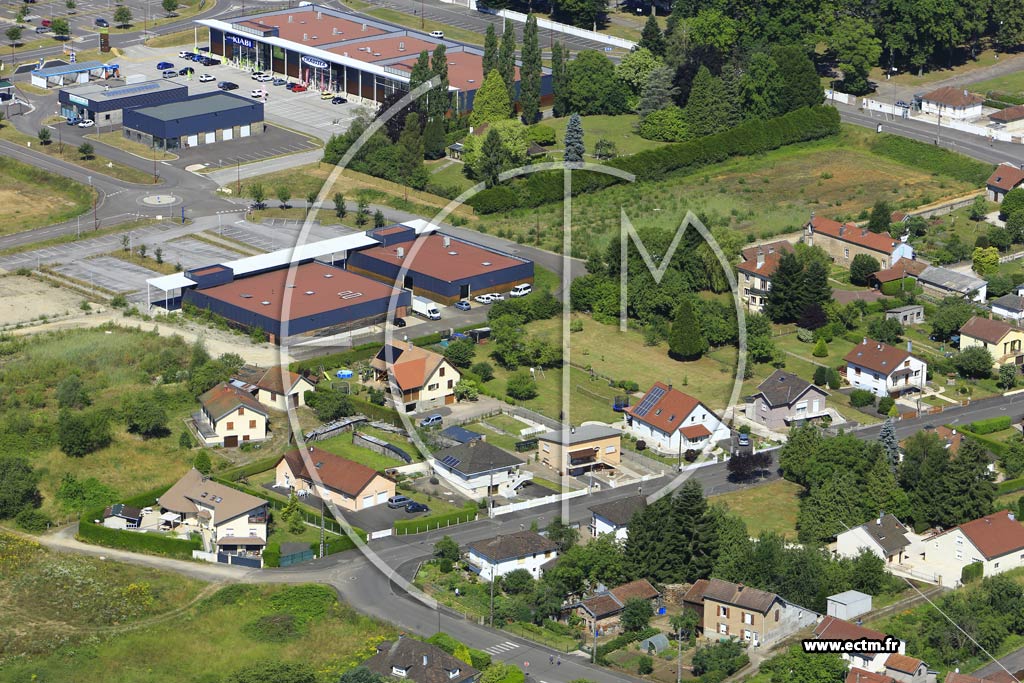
(553, 26)
(547, 500)
(383, 533)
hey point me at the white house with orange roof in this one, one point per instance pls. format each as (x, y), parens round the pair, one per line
(673, 422)
(424, 379)
(884, 370)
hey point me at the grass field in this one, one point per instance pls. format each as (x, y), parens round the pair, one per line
(1012, 84)
(760, 196)
(985, 58)
(493, 437)
(197, 641)
(157, 17)
(342, 445)
(187, 37)
(618, 129)
(771, 507)
(32, 198)
(131, 146)
(450, 175)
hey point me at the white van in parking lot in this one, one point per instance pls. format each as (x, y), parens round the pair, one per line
(521, 290)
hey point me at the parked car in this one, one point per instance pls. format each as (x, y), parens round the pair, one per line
(743, 439)
(264, 78)
(163, 66)
(437, 34)
(483, 298)
(101, 22)
(86, 123)
(170, 73)
(206, 78)
(416, 507)
(45, 22)
(521, 290)
(210, 61)
(338, 100)
(431, 421)
(227, 85)
(399, 322)
(42, 29)
(73, 120)
(256, 93)
(278, 81)
(463, 305)
(497, 296)
(395, 502)
(185, 55)
(299, 88)
(187, 71)
(256, 75)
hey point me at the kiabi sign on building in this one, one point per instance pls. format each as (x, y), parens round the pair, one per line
(238, 40)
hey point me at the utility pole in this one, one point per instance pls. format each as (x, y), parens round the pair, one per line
(492, 599)
(679, 655)
(323, 544)
(238, 177)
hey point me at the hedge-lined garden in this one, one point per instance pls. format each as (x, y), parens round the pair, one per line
(414, 526)
(91, 530)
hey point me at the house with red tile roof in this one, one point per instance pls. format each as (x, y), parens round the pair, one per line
(1004, 341)
(425, 379)
(996, 541)
(347, 484)
(844, 241)
(275, 387)
(831, 628)
(229, 416)
(884, 370)
(952, 103)
(603, 610)
(904, 669)
(1006, 177)
(672, 422)
(755, 272)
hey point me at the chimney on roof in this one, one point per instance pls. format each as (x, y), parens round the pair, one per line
(864, 231)
(739, 588)
(400, 252)
(364, 28)
(1010, 516)
(878, 522)
(865, 340)
(842, 229)
(410, 345)
(305, 36)
(447, 241)
(290, 17)
(760, 257)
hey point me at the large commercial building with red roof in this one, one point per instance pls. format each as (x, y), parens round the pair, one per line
(342, 52)
(440, 267)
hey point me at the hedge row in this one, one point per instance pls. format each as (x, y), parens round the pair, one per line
(990, 425)
(971, 572)
(622, 641)
(1010, 486)
(415, 526)
(931, 158)
(752, 137)
(894, 287)
(996, 447)
(153, 544)
(255, 467)
(335, 544)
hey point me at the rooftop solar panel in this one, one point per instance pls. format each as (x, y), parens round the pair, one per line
(652, 398)
(450, 461)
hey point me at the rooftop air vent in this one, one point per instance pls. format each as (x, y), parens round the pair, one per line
(486, 263)
(328, 275)
(290, 286)
(308, 292)
(453, 253)
(401, 46)
(218, 499)
(265, 303)
(314, 37)
(470, 80)
(376, 54)
(364, 27)
(246, 296)
(451, 63)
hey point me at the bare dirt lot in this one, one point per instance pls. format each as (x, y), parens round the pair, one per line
(23, 299)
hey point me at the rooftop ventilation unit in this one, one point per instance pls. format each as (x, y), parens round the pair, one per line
(401, 46)
(319, 16)
(246, 296)
(364, 28)
(328, 275)
(305, 36)
(486, 263)
(453, 253)
(376, 54)
(447, 241)
(314, 37)
(265, 303)
(290, 18)
(470, 80)
(309, 292)
(334, 31)
(400, 251)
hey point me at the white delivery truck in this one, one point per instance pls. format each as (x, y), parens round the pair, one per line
(425, 308)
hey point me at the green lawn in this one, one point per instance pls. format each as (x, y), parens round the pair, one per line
(450, 175)
(771, 507)
(506, 423)
(767, 195)
(500, 440)
(342, 445)
(589, 400)
(1011, 83)
(618, 129)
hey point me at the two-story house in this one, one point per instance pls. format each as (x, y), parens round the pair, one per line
(275, 387)
(756, 270)
(349, 485)
(506, 553)
(831, 628)
(613, 517)
(996, 541)
(784, 398)
(229, 416)
(424, 379)
(844, 241)
(230, 520)
(673, 422)
(577, 450)
(885, 536)
(1006, 177)
(420, 662)
(1004, 341)
(751, 615)
(884, 370)
(601, 612)
(478, 469)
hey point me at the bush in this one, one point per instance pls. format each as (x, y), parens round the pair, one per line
(990, 425)
(622, 641)
(542, 135)
(645, 665)
(971, 572)
(907, 284)
(32, 520)
(931, 159)
(820, 349)
(885, 404)
(276, 628)
(860, 398)
(483, 370)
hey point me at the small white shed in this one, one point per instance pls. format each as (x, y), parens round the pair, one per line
(849, 605)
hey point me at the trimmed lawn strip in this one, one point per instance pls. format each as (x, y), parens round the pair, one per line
(617, 129)
(186, 37)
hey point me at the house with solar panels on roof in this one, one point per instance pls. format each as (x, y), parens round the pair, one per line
(673, 422)
(477, 469)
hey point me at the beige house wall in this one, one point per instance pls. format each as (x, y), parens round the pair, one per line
(609, 451)
(244, 423)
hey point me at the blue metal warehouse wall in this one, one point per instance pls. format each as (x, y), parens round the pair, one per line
(222, 275)
(347, 314)
(99, 103)
(191, 125)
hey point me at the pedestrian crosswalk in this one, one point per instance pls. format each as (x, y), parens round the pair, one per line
(501, 648)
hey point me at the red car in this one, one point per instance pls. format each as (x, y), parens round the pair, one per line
(298, 87)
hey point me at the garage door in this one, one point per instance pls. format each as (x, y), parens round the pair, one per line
(243, 131)
(382, 497)
(228, 134)
(192, 140)
(368, 501)
(211, 138)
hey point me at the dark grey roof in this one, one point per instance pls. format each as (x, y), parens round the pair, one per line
(475, 457)
(783, 388)
(620, 510)
(422, 662)
(947, 279)
(580, 434)
(512, 546)
(887, 532)
(1011, 302)
(196, 106)
(63, 69)
(123, 511)
(739, 595)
